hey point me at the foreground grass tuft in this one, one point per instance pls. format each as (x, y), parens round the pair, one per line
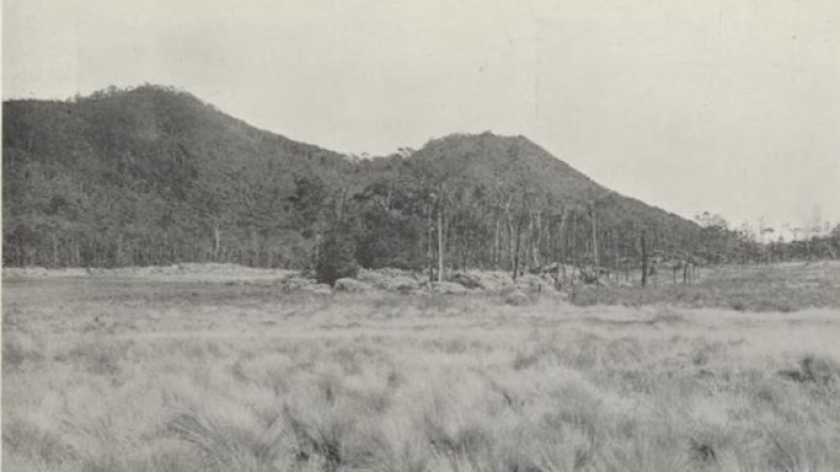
(412, 383)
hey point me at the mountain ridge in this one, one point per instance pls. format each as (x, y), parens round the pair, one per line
(155, 175)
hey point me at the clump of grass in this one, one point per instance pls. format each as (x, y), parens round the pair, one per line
(161, 459)
(224, 446)
(19, 348)
(523, 360)
(702, 352)
(334, 426)
(99, 356)
(36, 445)
(667, 316)
(454, 420)
(814, 369)
(518, 298)
(785, 451)
(623, 351)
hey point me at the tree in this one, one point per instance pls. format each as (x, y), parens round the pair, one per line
(338, 257)
(390, 219)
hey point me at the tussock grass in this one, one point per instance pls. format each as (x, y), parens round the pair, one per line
(412, 383)
(20, 348)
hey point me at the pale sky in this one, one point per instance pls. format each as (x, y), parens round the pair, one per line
(727, 106)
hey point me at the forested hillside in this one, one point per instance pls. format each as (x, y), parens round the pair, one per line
(149, 176)
(154, 176)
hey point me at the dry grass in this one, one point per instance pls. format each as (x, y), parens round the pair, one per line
(144, 376)
(767, 288)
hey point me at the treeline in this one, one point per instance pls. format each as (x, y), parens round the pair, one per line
(808, 249)
(409, 222)
(723, 244)
(153, 176)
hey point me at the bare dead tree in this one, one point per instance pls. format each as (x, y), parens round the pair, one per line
(519, 235)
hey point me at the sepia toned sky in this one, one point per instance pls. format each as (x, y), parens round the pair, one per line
(728, 106)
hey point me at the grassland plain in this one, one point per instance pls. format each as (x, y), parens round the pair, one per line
(110, 374)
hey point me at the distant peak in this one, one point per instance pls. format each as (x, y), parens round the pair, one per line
(142, 91)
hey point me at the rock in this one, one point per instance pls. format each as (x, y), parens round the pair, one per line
(468, 280)
(351, 285)
(298, 283)
(449, 288)
(517, 298)
(534, 283)
(492, 281)
(404, 284)
(317, 289)
(399, 284)
(392, 280)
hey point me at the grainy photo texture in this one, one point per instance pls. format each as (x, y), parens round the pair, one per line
(421, 236)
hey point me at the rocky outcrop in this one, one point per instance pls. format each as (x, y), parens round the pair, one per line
(352, 285)
(391, 280)
(449, 288)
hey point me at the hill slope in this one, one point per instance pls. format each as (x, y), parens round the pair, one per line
(143, 170)
(492, 188)
(155, 176)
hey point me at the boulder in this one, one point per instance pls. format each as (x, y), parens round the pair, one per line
(392, 280)
(517, 298)
(351, 285)
(399, 284)
(449, 288)
(484, 280)
(470, 280)
(298, 283)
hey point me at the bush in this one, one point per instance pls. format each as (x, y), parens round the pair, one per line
(337, 259)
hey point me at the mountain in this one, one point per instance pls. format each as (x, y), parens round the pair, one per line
(495, 187)
(153, 175)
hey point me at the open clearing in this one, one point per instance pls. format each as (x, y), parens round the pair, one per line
(144, 374)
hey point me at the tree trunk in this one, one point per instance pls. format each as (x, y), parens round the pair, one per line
(516, 252)
(644, 260)
(217, 242)
(317, 253)
(573, 242)
(495, 256)
(529, 251)
(509, 226)
(537, 244)
(560, 236)
(55, 249)
(596, 259)
(616, 255)
(518, 239)
(118, 257)
(441, 247)
(429, 237)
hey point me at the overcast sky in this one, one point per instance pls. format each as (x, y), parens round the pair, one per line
(727, 106)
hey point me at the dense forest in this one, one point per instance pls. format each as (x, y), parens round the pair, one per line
(152, 175)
